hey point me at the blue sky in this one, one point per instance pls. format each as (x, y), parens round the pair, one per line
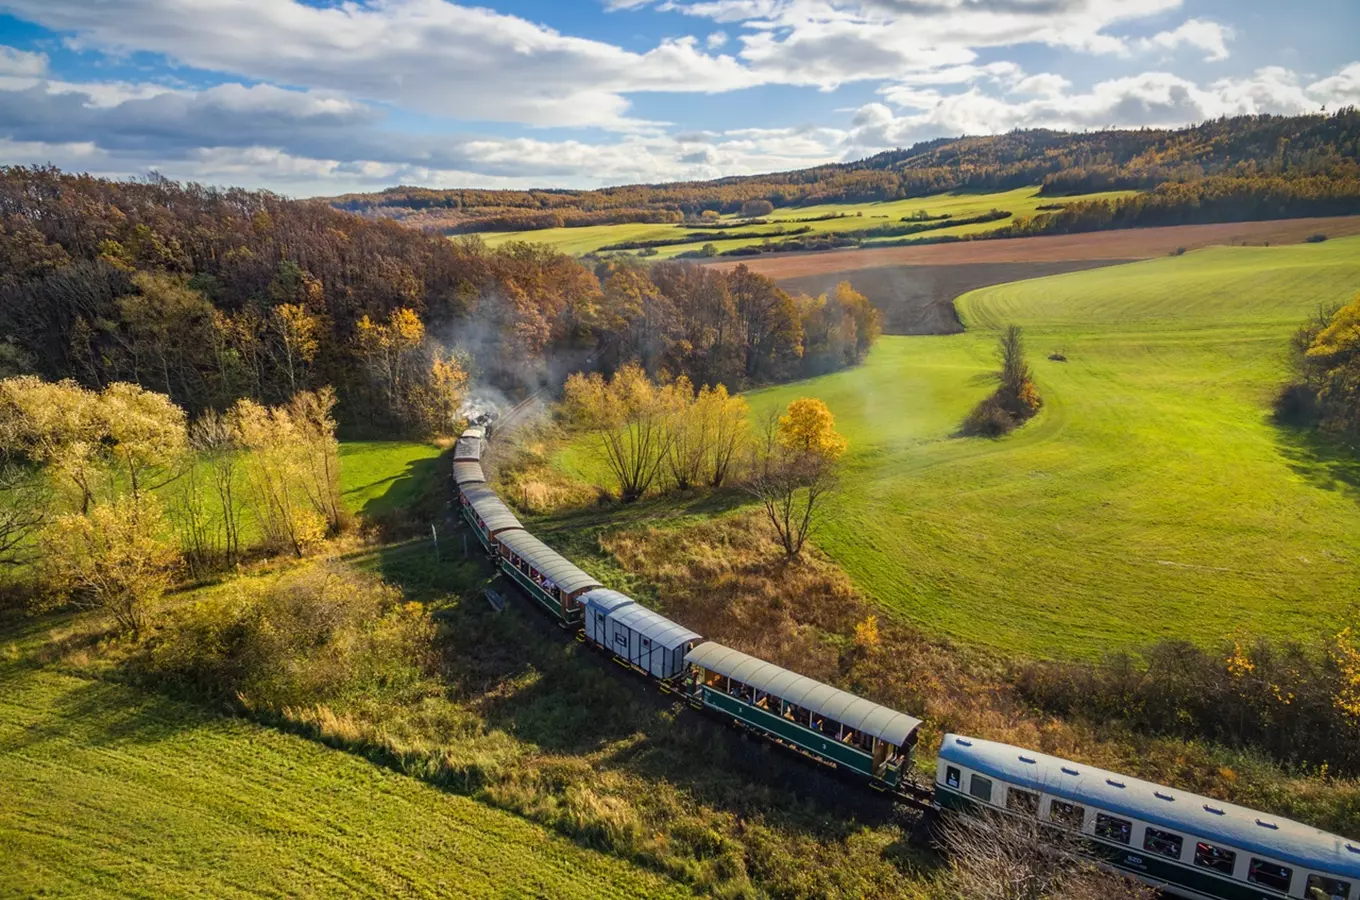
(321, 98)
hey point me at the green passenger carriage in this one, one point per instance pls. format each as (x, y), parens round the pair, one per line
(834, 726)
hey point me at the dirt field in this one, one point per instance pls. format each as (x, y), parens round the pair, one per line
(916, 286)
(920, 299)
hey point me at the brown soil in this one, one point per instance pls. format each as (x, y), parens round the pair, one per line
(1132, 243)
(916, 286)
(920, 299)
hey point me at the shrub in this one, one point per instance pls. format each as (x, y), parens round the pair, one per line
(754, 208)
(989, 419)
(1315, 238)
(319, 633)
(1296, 405)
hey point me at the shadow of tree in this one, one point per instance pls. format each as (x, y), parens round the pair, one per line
(1326, 461)
(413, 491)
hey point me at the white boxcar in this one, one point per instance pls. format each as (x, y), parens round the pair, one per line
(598, 604)
(635, 634)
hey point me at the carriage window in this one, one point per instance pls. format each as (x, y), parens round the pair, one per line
(1163, 843)
(1113, 828)
(1210, 857)
(980, 788)
(951, 776)
(1270, 874)
(1320, 887)
(1068, 814)
(1026, 802)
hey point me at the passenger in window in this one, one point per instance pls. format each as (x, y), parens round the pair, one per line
(1320, 887)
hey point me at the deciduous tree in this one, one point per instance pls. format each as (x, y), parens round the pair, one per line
(630, 419)
(794, 468)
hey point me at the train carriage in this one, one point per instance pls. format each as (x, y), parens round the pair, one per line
(544, 574)
(487, 514)
(832, 725)
(468, 447)
(1186, 844)
(645, 640)
(468, 473)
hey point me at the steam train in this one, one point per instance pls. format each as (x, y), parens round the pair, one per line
(1184, 844)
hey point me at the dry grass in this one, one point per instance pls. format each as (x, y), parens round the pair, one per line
(725, 579)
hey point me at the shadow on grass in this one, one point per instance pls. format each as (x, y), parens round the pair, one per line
(1326, 461)
(415, 491)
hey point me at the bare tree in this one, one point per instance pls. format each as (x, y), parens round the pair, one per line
(1014, 857)
(23, 511)
(789, 483)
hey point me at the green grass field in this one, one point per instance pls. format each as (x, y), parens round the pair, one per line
(959, 204)
(1153, 497)
(379, 477)
(110, 791)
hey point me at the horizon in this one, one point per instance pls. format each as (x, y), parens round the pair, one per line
(317, 100)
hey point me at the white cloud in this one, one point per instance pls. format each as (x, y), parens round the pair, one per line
(715, 40)
(21, 63)
(1153, 99)
(1211, 37)
(425, 55)
(1341, 89)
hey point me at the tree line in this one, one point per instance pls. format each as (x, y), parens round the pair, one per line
(117, 492)
(1242, 147)
(212, 296)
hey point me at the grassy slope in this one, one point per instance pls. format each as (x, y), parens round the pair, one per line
(1152, 498)
(110, 791)
(958, 204)
(378, 477)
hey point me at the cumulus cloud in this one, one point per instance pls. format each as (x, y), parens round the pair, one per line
(1211, 37)
(1152, 99)
(426, 55)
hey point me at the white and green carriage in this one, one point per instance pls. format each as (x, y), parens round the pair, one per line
(831, 725)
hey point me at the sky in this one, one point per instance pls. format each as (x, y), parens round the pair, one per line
(321, 98)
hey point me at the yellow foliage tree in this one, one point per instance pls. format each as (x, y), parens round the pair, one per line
(808, 427)
(112, 558)
(631, 419)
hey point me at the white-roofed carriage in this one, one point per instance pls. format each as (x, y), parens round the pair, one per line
(544, 574)
(835, 726)
(487, 514)
(645, 640)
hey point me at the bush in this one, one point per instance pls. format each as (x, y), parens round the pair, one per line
(317, 634)
(754, 208)
(1315, 238)
(1296, 405)
(989, 419)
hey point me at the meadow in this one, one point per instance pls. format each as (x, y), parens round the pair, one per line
(113, 791)
(1152, 498)
(855, 216)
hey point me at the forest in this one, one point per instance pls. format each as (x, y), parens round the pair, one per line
(1279, 156)
(213, 296)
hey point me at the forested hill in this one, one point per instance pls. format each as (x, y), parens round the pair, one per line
(1243, 149)
(212, 296)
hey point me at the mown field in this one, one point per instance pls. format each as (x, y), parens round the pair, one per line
(110, 791)
(958, 204)
(1152, 498)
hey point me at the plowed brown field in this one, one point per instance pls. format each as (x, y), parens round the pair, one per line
(916, 286)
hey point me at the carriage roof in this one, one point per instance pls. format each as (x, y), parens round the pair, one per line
(467, 449)
(1202, 817)
(842, 706)
(468, 473)
(490, 508)
(548, 561)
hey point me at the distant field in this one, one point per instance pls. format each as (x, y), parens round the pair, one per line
(111, 792)
(1152, 498)
(1122, 244)
(959, 205)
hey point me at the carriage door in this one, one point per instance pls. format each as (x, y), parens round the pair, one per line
(599, 628)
